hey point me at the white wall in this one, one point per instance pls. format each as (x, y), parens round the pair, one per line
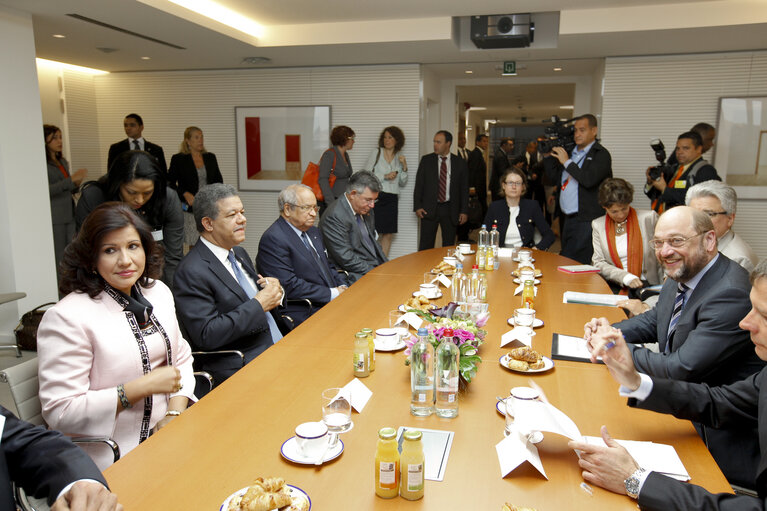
(648, 97)
(26, 240)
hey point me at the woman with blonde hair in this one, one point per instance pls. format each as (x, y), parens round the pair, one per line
(190, 169)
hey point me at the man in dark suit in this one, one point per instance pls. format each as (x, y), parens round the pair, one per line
(47, 464)
(291, 250)
(477, 185)
(695, 324)
(221, 302)
(579, 176)
(740, 404)
(534, 172)
(441, 195)
(461, 149)
(348, 227)
(501, 162)
(670, 188)
(134, 126)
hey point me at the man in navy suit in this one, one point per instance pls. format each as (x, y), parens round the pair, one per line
(291, 250)
(221, 302)
(441, 194)
(134, 126)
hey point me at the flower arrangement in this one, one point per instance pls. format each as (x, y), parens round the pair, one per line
(467, 335)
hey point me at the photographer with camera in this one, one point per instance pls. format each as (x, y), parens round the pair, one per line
(578, 176)
(667, 185)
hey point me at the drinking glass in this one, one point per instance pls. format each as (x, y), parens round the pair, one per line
(336, 410)
(400, 326)
(525, 318)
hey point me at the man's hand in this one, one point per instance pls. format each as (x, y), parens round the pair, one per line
(271, 293)
(462, 218)
(659, 184)
(420, 212)
(620, 363)
(560, 154)
(342, 288)
(87, 496)
(633, 306)
(606, 467)
(592, 326)
(602, 339)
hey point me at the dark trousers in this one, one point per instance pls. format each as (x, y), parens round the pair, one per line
(429, 228)
(576, 239)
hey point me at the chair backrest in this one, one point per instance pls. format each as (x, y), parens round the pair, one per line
(24, 387)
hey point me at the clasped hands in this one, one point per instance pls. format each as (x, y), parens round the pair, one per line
(271, 293)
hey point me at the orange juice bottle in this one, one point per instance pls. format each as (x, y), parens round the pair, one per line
(387, 464)
(528, 295)
(411, 463)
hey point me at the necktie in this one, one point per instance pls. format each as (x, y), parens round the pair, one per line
(248, 288)
(442, 197)
(678, 306)
(136, 146)
(365, 234)
(323, 269)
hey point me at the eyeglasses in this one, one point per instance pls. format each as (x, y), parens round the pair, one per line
(307, 208)
(676, 242)
(368, 201)
(514, 183)
(713, 214)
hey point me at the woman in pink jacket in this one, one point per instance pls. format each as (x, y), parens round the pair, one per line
(112, 361)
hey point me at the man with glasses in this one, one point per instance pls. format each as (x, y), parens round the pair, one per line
(348, 227)
(720, 202)
(291, 250)
(695, 325)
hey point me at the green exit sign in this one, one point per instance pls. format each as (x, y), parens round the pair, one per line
(510, 68)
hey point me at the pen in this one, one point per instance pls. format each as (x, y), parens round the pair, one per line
(608, 346)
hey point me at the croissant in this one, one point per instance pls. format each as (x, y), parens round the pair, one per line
(525, 353)
(270, 484)
(518, 365)
(263, 501)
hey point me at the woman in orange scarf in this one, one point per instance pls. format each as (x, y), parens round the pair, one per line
(622, 251)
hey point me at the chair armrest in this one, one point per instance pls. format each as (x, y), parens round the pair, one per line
(203, 376)
(199, 354)
(99, 440)
(301, 301)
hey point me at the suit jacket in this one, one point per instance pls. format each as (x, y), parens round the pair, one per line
(597, 166)
(427, 187)
(602, 260)
(708, 346)
(183, 174)
(675, 196)
(478, 176)
(61, 189)
(500, 164)
(282, 254)
(735, 247)
(739, 405)
(343, 240)
(215, 313)
(120, 147)
(530, 217)
(41, 461)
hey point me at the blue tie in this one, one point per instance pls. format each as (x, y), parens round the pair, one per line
(678, 306)
(324, 271)
(248, 288)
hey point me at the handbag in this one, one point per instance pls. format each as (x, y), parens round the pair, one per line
(312, 176)
(26, 330)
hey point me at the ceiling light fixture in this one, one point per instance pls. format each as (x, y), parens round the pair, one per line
(557, 69)
(469, 72)
(146, 58)
(567, 107)
(223, 15)
(59, 36)
(70, 67)
(476, 108)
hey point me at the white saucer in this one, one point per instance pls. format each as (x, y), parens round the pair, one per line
(289, 451)
(469, 252)
(386, 347)
(418, 293)
(516, 259)
(517, 281)
(537, 322)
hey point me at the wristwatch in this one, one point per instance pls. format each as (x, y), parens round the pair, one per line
(632, 483)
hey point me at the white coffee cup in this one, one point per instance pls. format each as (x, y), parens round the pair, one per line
(429, 290)
(387, 336)
(465, 248)
(311, 438)
(452, 261)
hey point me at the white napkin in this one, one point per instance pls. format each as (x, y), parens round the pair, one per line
(516, 334)
(360, 394)
(514, 450)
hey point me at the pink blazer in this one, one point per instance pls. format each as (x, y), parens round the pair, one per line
(86, 349)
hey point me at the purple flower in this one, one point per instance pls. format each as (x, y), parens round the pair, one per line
(482, 318)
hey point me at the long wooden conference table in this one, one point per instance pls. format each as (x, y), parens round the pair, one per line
(234, 434)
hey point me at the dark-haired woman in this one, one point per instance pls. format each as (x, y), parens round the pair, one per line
(61, 186)
(136, 179)
(389, 165)
(112, 360)
(336, 161)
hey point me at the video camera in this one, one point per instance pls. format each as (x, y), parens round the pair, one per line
(660, 154)
(560, 134)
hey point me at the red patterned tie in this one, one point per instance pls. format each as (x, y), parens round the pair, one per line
(442, 197)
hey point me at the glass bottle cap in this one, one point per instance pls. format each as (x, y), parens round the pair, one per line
(361, 335)
(367, 331)
(387, 433)
(412, 434)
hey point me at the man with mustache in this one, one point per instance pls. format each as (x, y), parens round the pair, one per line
(222, 304)
(695, 325)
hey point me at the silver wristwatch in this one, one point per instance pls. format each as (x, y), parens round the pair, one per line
(632, 483)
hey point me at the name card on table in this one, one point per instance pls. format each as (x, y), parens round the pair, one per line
(514, 450)
(459, 255)
(444, 280)
(360, 394)
(412, 319)
(517, 334)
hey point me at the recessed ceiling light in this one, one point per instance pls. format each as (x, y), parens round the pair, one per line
(61, 65)
(228, 17)
(557, 69)
(469, 72)
(146, 58)
(567, 107)
(59, 36)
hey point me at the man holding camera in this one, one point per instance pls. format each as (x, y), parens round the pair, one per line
(667, 186)
(578, 177)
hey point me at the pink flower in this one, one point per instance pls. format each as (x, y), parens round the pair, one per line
(482, 318)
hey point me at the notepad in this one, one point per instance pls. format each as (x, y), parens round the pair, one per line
(578, 268)
(661, 458)
(569, 347)
(436, 450)
(609, 300)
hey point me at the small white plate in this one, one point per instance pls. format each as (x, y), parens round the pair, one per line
(289, 451)
(295, 491)
(469, 252)
(418, 293)
(516, 259)
(547, 364)
(386, 347)
(538, 273)
(537, 322)
(517, 281)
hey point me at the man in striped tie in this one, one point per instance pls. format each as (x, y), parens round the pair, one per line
(695, 325)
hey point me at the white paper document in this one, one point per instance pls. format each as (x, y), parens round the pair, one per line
(569, 347)
(592, 298)
(517, 334)
(514, 450)
(360, 394)
(659, 458)
(534, 415)
(436, 450)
